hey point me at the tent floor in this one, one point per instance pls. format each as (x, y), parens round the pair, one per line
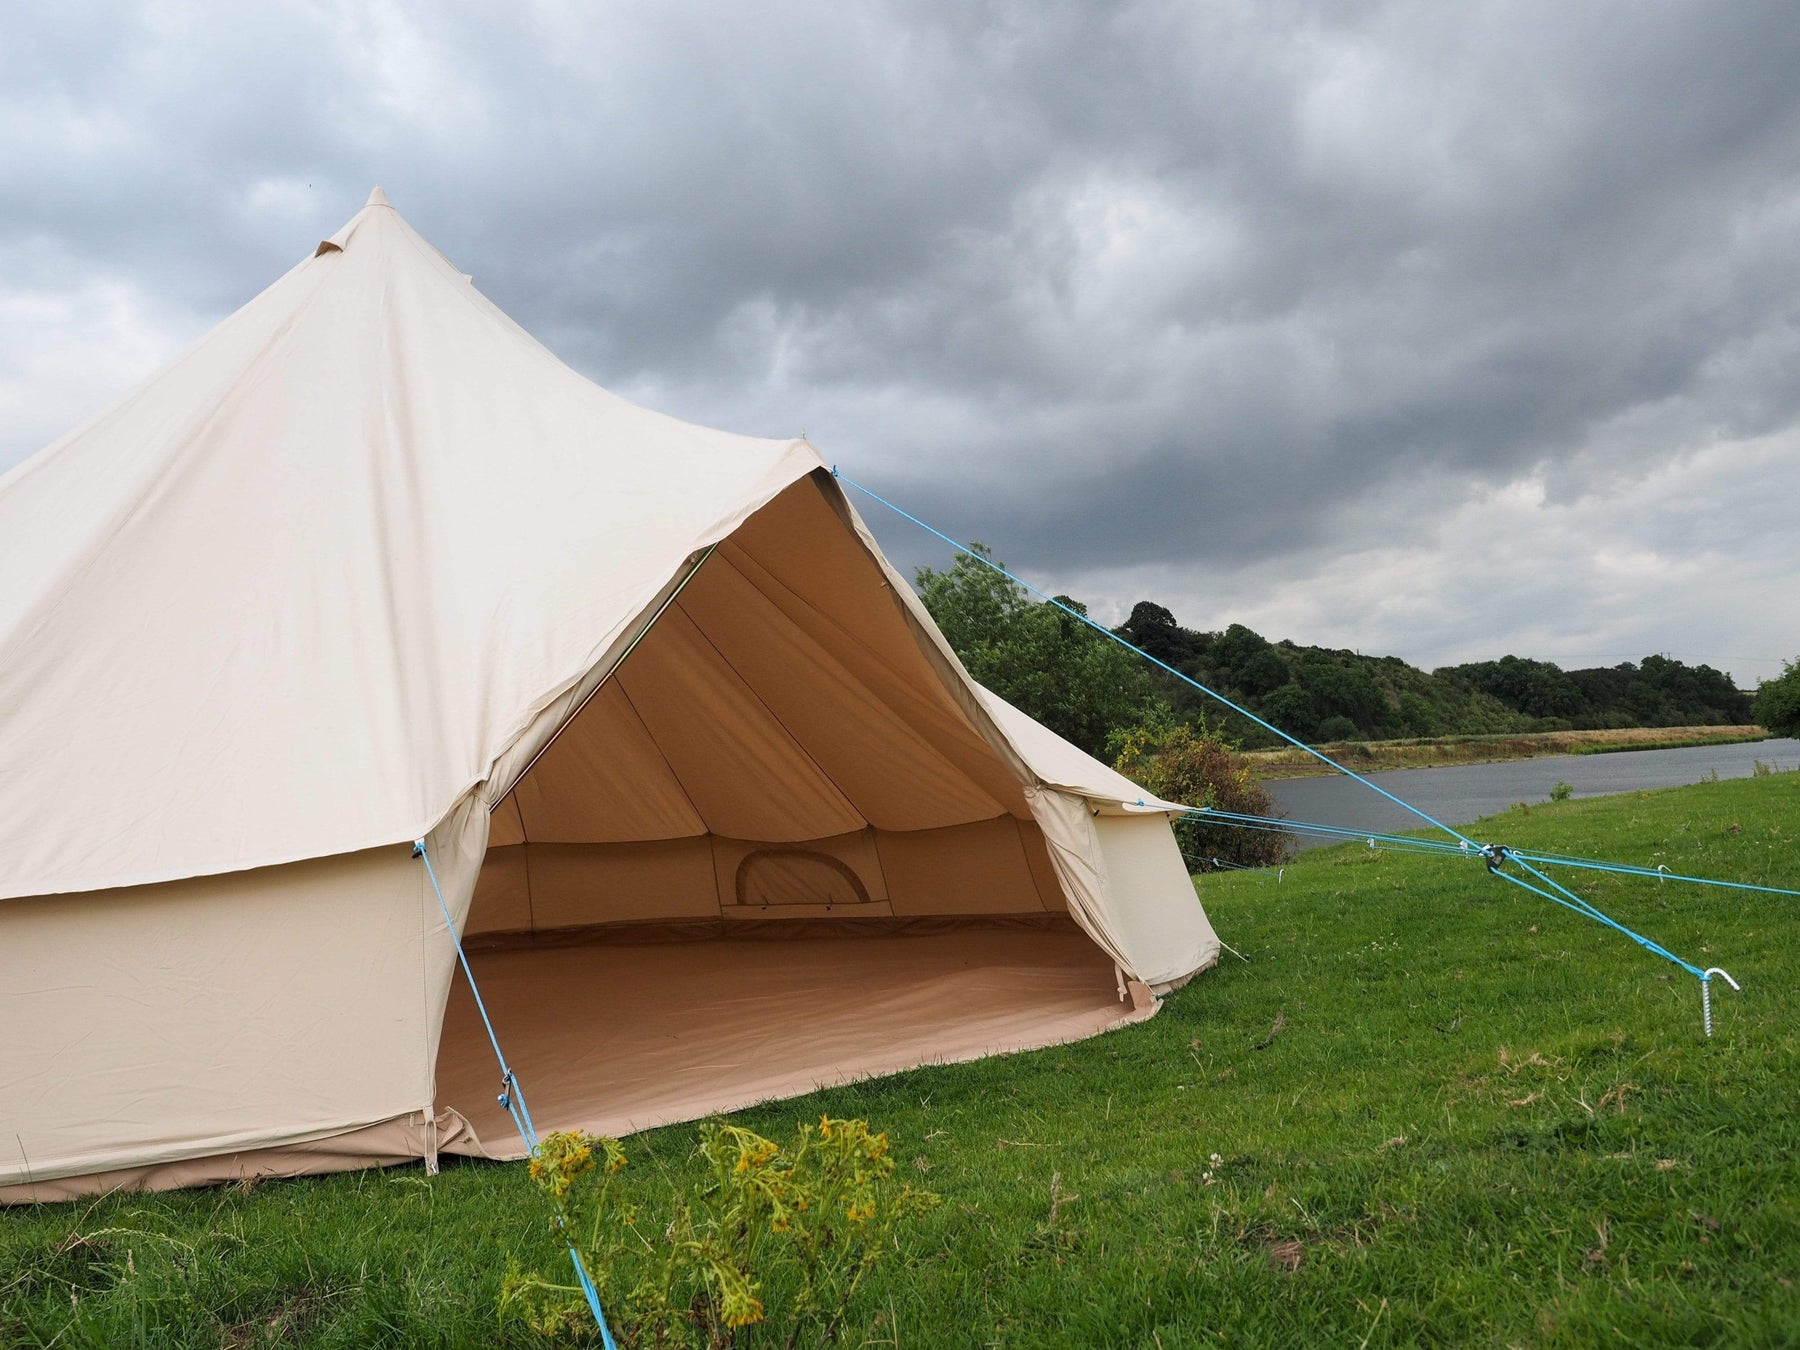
(615, 1038)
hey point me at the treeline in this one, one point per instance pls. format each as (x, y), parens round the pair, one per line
(1656, 692)
(1093, 692)
(1327, 694)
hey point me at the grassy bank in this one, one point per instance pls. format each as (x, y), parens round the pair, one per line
(1433, 751)
(1445, 1111)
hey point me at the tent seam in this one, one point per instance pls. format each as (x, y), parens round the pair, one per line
(776, 718)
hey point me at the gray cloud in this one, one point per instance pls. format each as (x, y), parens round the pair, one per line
(1205, 299)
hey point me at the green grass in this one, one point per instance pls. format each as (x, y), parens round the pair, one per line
(1483, 1121)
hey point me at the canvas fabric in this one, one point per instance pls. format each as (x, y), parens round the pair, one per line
(369, 564)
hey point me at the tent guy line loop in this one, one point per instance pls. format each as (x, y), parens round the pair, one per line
(1160, 664)
(512, 1097)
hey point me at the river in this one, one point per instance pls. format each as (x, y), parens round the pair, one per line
(1460, 793)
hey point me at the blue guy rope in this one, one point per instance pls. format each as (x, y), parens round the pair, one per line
(513, 1098)
(1625, 869)
(1283, 824)
(1410, 843)
(1164, 665)
(1493, 855)
(1496, 856)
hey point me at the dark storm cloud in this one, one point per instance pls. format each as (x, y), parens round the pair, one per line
(1153, 286)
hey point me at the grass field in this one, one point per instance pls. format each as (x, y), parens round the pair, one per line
(1447, 1113)
(1432, 751)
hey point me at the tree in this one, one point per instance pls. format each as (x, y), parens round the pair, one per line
(1194, 765)
(1535, 688)
(1777, 706)
(1153, 629)
(1236, 647)
(1071, 677)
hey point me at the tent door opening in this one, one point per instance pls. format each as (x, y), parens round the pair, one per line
(768, 851)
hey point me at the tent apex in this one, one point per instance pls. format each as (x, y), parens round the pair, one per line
(378, 198)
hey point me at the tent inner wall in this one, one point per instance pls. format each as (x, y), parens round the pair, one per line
(776, 748)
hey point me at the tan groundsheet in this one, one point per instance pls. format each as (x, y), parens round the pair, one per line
(369, 563)
(615, 1038)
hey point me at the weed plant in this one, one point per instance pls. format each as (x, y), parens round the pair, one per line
(760, 1245)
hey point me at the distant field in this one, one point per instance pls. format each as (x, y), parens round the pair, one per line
(1445, 1112)
(1429, 752)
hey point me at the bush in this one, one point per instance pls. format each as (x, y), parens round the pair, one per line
(778, 1239)
(1777, 706)
(1197, 766)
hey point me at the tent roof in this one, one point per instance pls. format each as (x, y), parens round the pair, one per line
(1060, 764)
(294, 594)
(297, 593)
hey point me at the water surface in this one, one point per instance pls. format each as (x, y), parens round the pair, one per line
(1460, 793)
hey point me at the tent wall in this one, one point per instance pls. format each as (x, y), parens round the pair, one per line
(1127, 886)
(402, 1139)
(200, 1018)
(997, 866)
(1165, 933)
(278, 1021)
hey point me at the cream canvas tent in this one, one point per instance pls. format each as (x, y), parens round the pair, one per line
(720, 815)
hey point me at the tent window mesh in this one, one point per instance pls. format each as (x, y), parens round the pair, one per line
(797, 876)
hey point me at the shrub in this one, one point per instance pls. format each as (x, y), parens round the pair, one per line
(1196, 766)
(1777, 706)
(1562, 791)
(766, 1237)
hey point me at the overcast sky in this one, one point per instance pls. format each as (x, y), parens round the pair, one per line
(1438, 330)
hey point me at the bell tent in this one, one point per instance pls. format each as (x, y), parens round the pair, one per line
(715, 809)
